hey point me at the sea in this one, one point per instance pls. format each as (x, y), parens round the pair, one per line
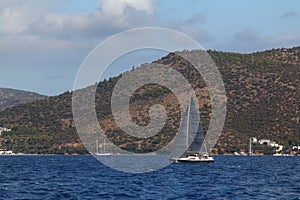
(83, 177)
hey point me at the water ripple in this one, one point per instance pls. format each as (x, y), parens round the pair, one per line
(82, 177)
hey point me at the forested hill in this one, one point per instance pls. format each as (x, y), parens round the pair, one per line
(12, 97)
(263, 91)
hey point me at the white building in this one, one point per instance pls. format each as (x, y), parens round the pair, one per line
(296, 148)
(273, 144)
(254, 140)
(3, 129)
(279, 148)
(264, 141)
(5, 152)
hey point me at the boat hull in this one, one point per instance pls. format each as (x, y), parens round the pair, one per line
(103, 154)
(194, 159)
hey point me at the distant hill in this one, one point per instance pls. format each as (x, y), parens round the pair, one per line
(13, 97)
(263, 91)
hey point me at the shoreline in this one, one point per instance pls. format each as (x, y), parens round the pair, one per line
(23, 154)
(231, 155)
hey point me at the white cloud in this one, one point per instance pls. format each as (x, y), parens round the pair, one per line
(15, 15)
(38, 27)
(29, 17)
(117, 7)
(30, 25)
(35, 23)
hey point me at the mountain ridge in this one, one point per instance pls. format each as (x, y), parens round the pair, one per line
(263, 101)
(11, 97)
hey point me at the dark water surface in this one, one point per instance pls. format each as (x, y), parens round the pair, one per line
(83, 177)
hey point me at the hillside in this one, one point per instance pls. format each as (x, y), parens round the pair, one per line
(263, 91)
(12, 97)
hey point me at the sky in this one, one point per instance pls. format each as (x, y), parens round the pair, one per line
(44, 42)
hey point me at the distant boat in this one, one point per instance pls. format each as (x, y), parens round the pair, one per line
(103, 152)
(197, 150)
(6, 152)
(236, 154)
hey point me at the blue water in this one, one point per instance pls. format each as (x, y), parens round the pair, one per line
(83, 177)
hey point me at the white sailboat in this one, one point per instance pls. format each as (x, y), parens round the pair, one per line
(103, 152)
(190, 144)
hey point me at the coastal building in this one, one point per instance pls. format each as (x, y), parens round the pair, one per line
(5, 152)
(279, 148)
(264, 141)
(296, 148)
(254, 140)
(273, 144)
(3, 129)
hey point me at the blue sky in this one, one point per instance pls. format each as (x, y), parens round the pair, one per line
(43, 43)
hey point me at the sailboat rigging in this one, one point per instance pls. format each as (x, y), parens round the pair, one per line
(190, 144)
(103, 152)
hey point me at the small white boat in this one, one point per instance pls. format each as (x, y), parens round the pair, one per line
(243, 154)
(192, 158)
(236, 154)
(6, 152)
(190, 144)
(103, 152)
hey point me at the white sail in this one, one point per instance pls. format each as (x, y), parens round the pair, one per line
(198, 145)
(187, 132)
(180, 145)
(190, 143)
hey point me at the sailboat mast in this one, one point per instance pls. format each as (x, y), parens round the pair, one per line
(97, 144)
(250, 147)
(188, 123)
(204, 143)
(104, 145)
